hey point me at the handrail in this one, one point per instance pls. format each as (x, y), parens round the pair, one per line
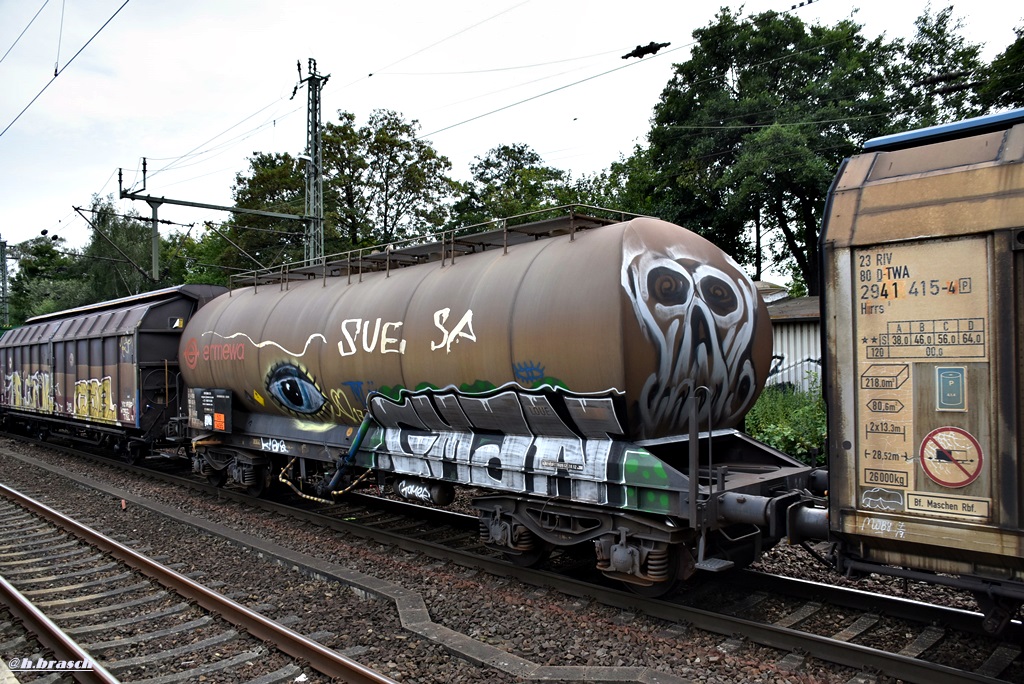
(444, 243)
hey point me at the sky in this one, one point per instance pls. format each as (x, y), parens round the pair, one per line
(198, 86)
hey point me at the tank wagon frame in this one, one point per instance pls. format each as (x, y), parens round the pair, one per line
(557, 452)
(105, 373)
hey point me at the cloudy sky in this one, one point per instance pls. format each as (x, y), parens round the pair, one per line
(197, 86)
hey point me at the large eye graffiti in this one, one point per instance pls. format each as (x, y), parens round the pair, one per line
(293, 388)
(719, 295)
(668, 287)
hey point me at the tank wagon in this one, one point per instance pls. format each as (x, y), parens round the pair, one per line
(583, 376)
(105, 373)
(923, 308)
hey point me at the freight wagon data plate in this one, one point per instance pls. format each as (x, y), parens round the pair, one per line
(921, 322)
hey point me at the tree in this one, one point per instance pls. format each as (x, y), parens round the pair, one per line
(381, 183)
(48, 279)
(273, 182)
(202, 257)
(1004, 83)
(508, 181)
(748, 133)
(119, 256)
(628, 185)
(939, 74)
(407, 189)
(344, 168)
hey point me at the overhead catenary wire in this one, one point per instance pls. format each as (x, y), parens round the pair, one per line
(60, 36)
(443, 40)
(547, 92)
(58, 72)
(27, 26)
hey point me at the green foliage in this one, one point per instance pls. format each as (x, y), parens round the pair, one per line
(938, 75)
(48, 279)
(273, 182)
(797, 286)
(118, 260)
(753, 126)
(1004, 82)
(510, 180)
(405, 182)
(791, 420)
(381, 183)
(751, 129)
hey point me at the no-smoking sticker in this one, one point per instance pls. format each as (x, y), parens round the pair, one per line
(951, 457)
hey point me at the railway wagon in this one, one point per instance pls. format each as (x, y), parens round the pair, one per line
(584, 375)
(105, 372)
(923, 307)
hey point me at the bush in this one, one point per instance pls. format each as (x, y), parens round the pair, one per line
(791, 420)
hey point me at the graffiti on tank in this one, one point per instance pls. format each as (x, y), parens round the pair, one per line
(231, 350)
(356, 388)
(276, 446)
(342, 408)
(546, 442)
(412, 490)
(462, 330)
(361, 335)
(93, 399)
(701, 320)
(294, 389)
(527, 373)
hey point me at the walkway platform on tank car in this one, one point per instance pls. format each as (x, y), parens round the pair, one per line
(444, 246)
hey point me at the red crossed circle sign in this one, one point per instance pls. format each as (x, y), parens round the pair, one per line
(951, 456)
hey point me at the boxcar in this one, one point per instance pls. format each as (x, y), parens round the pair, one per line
(923, 248)
(103, 372)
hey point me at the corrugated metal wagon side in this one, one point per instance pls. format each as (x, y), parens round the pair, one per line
(101, 373)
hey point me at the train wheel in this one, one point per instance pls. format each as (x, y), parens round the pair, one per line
(532, 558)
(217, 478)
(675, 559)
(132, 454)
(262, 482)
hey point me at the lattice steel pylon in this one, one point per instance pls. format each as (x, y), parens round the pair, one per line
(314, 166)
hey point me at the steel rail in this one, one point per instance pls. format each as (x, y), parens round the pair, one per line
(824, 648)
(54, 638)
(324, 660)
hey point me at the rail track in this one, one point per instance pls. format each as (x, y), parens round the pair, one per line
(880, 635)
(90, 599)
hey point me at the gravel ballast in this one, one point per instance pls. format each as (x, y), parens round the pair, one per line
(539, 632)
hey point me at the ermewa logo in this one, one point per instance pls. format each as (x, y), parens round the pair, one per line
(234, 351)
(191, 353)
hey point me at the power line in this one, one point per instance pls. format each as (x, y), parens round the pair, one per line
(548, 92)
(58, 72)
(488, 71)
(446, 38)
(45, 2)
(60, 36)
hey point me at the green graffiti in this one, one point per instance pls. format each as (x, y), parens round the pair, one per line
(478, 387)
(642, 468)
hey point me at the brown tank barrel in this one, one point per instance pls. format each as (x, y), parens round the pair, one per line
(643, 310)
